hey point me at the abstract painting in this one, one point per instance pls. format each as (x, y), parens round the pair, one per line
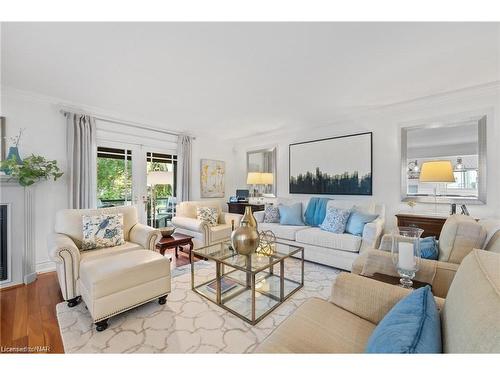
(332, 166)
(212, 178)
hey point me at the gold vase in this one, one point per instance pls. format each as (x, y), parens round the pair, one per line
(249, 218)
(245, 239)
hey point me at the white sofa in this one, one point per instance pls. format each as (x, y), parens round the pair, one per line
(204, 235)
(336, 250)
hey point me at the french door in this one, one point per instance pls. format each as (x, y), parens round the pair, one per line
(122, 179)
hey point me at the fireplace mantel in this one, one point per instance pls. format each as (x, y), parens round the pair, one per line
(21, 230)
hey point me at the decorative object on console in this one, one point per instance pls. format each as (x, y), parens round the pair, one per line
(291, 215)
(245, 239)
(212, 176)
(338, 165)
(271, 214)
(335, 220)
(99, 231)
(255, 180)
(406, 253)
(464, 210)
(13, 159)
(208, 215)
(267, 243)
(242, 195)
(437, 171)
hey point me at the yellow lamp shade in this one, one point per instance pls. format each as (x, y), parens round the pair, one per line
(267, 178)
(254, 178)
(160, 178)
(437, 171)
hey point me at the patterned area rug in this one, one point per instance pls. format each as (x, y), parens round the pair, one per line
(187, 323)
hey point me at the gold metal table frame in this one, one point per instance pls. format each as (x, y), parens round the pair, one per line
(247, 273)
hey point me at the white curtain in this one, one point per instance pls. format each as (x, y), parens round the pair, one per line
(184, 167)
(82, 159)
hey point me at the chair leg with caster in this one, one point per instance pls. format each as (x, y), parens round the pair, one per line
(73, 301)
(102, 325)
(162, 300)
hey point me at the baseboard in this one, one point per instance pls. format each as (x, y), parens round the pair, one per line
(47, 266)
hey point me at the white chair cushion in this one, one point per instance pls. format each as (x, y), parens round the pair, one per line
(99, 253)
(318, 237)
(105, 276)
(286, 232)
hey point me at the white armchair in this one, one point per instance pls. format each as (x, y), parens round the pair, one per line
(204, 235)
(65, 244)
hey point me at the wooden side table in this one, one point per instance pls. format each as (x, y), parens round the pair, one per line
(431, 225)
(175, 241)
(239, 207)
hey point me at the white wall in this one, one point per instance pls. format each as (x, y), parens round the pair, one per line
(385, 123)
(45, 135)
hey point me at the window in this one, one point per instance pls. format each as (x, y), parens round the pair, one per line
(114, 177)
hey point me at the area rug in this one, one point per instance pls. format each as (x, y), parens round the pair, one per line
(187, 323)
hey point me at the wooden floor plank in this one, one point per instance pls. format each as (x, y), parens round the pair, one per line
(35, 328)
(20, 327)
(7, 305)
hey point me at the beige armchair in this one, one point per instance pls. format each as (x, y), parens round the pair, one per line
(204, 235)
(65, 244)
(460, 234)
(469, 315)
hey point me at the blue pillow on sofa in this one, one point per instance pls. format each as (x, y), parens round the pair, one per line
(429, 248)
(413, 325)
(291, 215)
(357, 222)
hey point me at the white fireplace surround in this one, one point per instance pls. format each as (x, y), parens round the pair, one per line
(21, 245)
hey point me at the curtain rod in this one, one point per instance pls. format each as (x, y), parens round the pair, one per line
(113, 120)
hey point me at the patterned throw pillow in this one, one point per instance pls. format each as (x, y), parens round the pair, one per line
(208, 215)
(102, 231)
(335, 220)
(272, 214)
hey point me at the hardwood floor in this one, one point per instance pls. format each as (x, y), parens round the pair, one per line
(28, 312)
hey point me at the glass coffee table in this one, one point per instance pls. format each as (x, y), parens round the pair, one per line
(249, 286)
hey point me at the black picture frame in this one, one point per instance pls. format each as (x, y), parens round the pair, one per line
(338, 184)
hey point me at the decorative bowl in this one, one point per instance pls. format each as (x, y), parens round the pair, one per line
(167, 231)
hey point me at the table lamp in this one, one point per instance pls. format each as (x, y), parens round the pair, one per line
(158, 178)
(254, 178)
(437, 171)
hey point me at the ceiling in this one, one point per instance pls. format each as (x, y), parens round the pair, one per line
(238, 79)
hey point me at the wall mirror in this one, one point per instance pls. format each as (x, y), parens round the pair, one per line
(261, 172)
(460, 142)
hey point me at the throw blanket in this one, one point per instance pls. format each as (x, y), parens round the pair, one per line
(316, 211)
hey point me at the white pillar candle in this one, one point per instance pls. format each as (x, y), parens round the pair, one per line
(406, 259)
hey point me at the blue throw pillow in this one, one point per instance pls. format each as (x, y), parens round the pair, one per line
(357, 221)
(429, 248)
(411, 326)
(335, 220)
(291, 215)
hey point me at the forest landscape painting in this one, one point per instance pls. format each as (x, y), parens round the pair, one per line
(332, 166)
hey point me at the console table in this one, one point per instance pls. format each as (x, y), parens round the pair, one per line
(239, 207)
(431, 225)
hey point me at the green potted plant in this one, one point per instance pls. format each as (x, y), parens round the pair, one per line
(32, 169)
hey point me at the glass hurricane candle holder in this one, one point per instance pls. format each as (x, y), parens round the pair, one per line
(406, 253)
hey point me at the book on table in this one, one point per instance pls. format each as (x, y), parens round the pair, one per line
(225, 285)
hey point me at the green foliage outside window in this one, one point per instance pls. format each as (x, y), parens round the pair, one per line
(113, 182)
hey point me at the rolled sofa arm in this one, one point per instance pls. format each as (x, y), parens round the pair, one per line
(66, 255)
(144, 235)
(372, 233)
(364, 297)
(192, 226)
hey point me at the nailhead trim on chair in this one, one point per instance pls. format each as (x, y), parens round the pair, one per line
(128, 308)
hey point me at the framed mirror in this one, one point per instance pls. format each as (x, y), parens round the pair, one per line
(261, 172)
(460, 145)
